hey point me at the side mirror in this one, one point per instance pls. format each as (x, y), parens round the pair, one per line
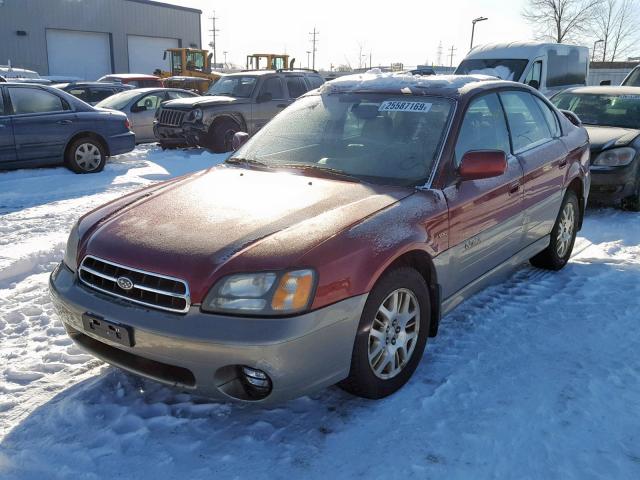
(138, 108)
(572, 117)
(534, 84)
(239, 139)
(264, 97)
(479, 164)
(605, 83)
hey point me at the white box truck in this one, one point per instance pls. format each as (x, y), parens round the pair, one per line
(549, 67)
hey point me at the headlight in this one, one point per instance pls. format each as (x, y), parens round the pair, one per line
(196, 114)
(616, 157)
(265, 293)
(71, 252)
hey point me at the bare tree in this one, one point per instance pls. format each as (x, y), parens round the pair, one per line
(560, 20)
(625, 32)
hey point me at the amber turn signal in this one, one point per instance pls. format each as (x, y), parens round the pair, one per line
(294, 291)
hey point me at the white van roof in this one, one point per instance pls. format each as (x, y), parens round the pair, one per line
(516, 50)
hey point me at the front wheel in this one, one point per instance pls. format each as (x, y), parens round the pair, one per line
(391, 336)
(563, 236)
(220, 137)
(85, 155)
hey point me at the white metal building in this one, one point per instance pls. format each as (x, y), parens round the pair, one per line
(91, 38)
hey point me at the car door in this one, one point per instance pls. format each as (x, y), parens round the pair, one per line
(42, 122)
(7, 144)
(270, 101)
(142, 113)
(485, 216)
(535, 135)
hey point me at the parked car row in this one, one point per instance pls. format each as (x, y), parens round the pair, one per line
(327, 247)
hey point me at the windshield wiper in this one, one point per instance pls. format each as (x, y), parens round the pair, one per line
(250, 162)
(331, 171)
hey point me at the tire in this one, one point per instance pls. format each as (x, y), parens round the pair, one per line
(563, 236)
(220, 137)
(85, 155)
(377, 378)
(632, 203)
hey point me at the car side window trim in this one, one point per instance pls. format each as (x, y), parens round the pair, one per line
(533, 145)
(11, 111)
(557, 133)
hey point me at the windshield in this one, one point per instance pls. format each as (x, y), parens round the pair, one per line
(602, 109)
(239, 86)
(379, 138)
(119, 100)
(506, 69)
(634, 78)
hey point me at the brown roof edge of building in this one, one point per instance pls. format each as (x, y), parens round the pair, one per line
(603, 65)
(166, 5)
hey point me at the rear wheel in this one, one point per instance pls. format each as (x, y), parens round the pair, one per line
(391, 336)
(563, 236)
(85, 155)
(220, 137)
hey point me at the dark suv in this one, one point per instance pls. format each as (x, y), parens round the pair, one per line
(243, 101)
(93, 92)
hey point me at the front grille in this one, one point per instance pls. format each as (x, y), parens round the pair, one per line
(172, 118)
(150, 289)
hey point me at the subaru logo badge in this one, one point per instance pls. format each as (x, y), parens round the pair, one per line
(124, 283)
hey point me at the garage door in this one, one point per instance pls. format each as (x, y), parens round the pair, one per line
(145, 53)
(80, 54)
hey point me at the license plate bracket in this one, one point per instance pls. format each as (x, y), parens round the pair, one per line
(114, 332)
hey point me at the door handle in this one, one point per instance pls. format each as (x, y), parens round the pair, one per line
(562, 163)
(513, 189)
(64, 122)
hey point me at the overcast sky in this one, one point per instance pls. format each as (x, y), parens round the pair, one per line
(403, 31)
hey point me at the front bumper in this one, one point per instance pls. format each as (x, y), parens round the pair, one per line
(168, 135)
(122, 143)
(611, 185)
(202, 353)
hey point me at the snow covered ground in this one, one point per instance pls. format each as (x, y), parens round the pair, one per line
(538, 377)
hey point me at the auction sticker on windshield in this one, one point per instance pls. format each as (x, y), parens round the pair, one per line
(397, 106)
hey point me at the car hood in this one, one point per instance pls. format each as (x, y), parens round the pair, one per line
(208, 224)
(602, 138)
(204, 101)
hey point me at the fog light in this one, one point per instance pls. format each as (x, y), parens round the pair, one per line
(256, 382)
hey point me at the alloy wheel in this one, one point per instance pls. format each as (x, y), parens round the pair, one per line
(394, 333)
(565, 230)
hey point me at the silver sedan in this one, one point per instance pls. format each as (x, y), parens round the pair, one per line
(140, 105)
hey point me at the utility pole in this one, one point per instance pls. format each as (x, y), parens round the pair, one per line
(370, 62)
(225, 58)
(439, 57)
(314, 41)
(308, 53)
(214, 32)
(451, 52)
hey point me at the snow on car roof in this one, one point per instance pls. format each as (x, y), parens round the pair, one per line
(376, 80)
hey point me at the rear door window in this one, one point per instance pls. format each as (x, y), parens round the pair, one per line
(99, 94)
(296, 86)
(80, 93)
(483, 127)
(152, 101)
(550, 117)
(526, 122)
(273, 85)
(34, 100)
(314, 81)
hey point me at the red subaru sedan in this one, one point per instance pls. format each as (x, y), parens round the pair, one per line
(328, 246)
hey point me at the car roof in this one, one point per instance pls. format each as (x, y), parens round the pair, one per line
(271, 72)
(374, 81)
(131, 76)
(606, 90)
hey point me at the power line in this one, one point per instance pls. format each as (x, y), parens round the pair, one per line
(214, 31)
(314, 42)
